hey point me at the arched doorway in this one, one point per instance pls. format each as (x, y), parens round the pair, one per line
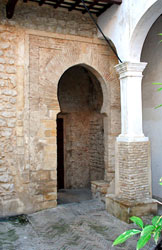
(80, 130)
(152, 118)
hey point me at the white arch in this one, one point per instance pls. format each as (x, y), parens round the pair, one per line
(128, 24)
(142, 28)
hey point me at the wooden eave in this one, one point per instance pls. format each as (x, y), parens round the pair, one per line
(96, 7)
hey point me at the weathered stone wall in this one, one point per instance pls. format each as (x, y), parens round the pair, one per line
(32, 61)
(84, 149)
(77, 169)
(133, 170)
(46, 18)
(8, 94)
(13, 166)
(96, 147)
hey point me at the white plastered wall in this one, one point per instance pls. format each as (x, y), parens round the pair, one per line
(152, 118)
(127, 25)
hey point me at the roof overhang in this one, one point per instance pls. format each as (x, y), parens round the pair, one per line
(96, 7)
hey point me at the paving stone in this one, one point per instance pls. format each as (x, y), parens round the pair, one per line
(75, 226)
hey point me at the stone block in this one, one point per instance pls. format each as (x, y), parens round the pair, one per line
(50, 133)
(11, 123)
(39, 198)
(124, 209)
(8, 187)
(49, 164)
(19, 131)
(1, 53)
(46, 187)
(2, 60)
(49, 124)
(53, 175)
(5, 178)
(8, 114)
(12, 207)
(50, 149)
(2, 123)
(41, 175)
(6, 132)
(1, 68)
(4, 45)
(20, 141)
(47, 204)
(11, 69)
(19, 123)
(9, 92)
(26, 177)
(50, 158)
(50, 196)
(99, 188)
(12, 100)
(2, 83)
(20, 150)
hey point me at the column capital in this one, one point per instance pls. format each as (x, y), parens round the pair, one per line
(130, 69)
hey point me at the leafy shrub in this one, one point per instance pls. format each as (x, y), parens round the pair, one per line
(145, 232)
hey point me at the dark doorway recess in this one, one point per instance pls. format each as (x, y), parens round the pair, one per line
(80, 134)
(60, 153)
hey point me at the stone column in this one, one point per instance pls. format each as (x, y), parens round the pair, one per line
(133, 194)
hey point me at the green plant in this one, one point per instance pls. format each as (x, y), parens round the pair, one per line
(145, 232)
(159, 89)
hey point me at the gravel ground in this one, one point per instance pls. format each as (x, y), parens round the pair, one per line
(76, 226)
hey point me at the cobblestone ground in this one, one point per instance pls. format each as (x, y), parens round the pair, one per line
(74, 226)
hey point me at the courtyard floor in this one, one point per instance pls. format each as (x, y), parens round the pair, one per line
(75, 226)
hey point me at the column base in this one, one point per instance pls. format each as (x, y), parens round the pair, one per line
(124, 209)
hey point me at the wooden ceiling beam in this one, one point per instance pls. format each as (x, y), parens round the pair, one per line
(58, 3)
(10, 7)
(103, 9)
(41, 2)
(109, 2)
(77, 2)
(91, 6)
(116, 1)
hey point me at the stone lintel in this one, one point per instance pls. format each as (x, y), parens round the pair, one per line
(124, 209)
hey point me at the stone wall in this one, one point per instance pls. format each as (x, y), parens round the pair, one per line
(96, 147)
(77, 169)
(8, 115)
(133, 170)
(84, 149)
(32, 61)
(46, 18)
